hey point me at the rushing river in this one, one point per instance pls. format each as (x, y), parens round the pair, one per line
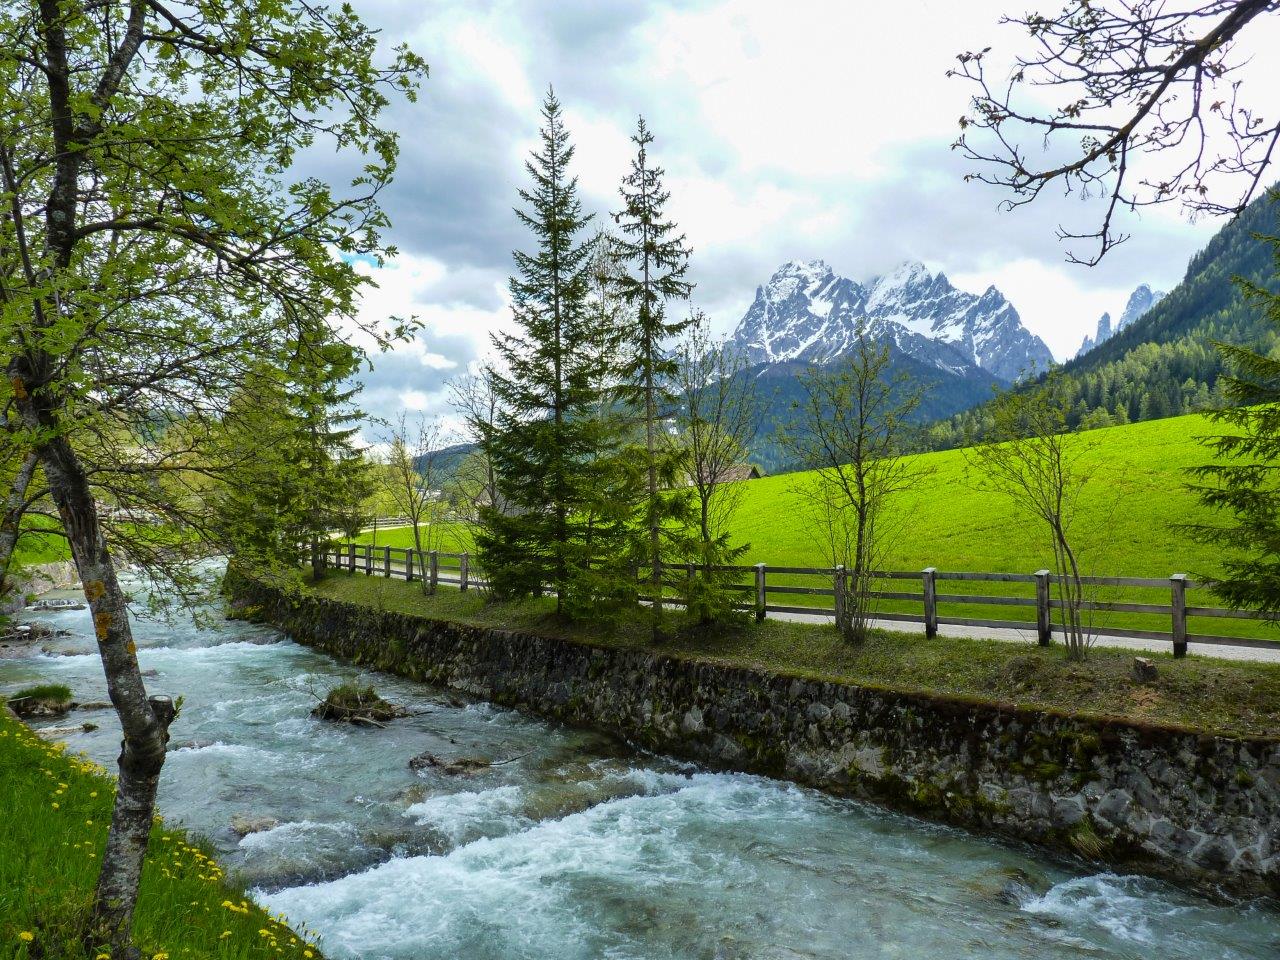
(573, 846)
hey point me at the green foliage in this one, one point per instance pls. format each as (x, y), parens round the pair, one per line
(1243, 486)
(288, 469)
(654, 260)
(559, 519)
(57, 808)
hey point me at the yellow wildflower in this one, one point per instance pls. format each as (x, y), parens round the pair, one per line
(26, 936)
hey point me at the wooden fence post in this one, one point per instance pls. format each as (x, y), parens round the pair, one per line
(839, 586)
(464, 572)
(434, 573)
(368, 561)
(386, 562)
(1044, 614)
(929, 576)
(760, 592)
(408, 565)
(351, 558)
(1178, 608)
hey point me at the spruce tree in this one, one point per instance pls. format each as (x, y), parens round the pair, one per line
(1244, 483)
(541, 445)
(655, 259)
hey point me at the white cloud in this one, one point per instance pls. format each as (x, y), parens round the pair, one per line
(806, 129)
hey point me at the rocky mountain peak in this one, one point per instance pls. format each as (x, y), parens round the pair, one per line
(808, 313)
(1140, 301)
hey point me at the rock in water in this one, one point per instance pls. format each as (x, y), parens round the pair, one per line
(350, 703)
(1144, 670)
(243, 826)
(462, 766)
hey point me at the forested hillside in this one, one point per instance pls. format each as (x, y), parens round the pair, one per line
(1165, 364)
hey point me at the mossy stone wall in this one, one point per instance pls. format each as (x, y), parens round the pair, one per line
(1165, 801)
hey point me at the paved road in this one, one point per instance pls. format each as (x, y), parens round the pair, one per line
(1221, 652)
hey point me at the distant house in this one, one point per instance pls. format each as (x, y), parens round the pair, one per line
(743, 471)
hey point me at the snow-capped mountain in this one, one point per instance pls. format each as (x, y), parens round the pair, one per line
(807, 313)
(1141, 300)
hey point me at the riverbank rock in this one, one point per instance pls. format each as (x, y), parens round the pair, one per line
(50, 733)
(351, 703)
(242, 825)
(47, 700)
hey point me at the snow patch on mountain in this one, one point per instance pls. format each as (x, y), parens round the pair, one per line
(807, 313)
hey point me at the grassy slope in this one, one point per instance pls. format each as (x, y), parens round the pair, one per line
(1126, 526)
(34, 547)
(1205, 694)
(947, 521)
(55, 814)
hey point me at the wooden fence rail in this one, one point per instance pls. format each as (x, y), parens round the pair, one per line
(761, 583)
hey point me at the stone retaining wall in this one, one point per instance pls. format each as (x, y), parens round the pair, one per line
(1165, 801)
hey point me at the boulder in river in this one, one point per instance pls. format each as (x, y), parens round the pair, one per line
(352, 703)
(45, 700)
(243, 825)
(461, 766)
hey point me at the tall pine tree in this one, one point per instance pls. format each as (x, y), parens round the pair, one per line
(1243, 485)
(655, 259)
(542, 445)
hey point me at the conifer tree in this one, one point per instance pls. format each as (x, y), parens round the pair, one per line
(1244, 483)
(541, 443)
(288, 469)
(655, 260)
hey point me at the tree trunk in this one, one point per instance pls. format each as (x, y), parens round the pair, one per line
(145, 722)
(11, 522)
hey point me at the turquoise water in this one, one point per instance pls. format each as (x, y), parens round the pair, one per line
(574, 846)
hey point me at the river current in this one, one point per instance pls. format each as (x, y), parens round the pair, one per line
(571, 846)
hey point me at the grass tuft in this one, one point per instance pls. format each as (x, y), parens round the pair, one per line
(54, 692)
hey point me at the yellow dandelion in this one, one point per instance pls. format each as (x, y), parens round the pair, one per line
(26, 936)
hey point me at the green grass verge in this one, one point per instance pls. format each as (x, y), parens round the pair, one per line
(1199, 693)
(1127, 525)
(36, 547)
(56, 809)
(57, 692)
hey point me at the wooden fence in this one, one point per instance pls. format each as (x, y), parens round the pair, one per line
(804, 591)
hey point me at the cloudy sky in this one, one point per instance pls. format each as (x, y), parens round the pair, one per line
(788, 131)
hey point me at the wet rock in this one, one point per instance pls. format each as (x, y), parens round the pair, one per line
(50, 732)
(459, 766)
(151, 673)
(94, 705)
(351, 703)
(1018, 888)
(691, 723)
(50, 700)
(1144, 670)
(244, 825)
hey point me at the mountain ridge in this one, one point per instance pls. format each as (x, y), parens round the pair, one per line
(808, 313)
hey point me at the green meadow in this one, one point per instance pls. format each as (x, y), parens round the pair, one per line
(1127, 524)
